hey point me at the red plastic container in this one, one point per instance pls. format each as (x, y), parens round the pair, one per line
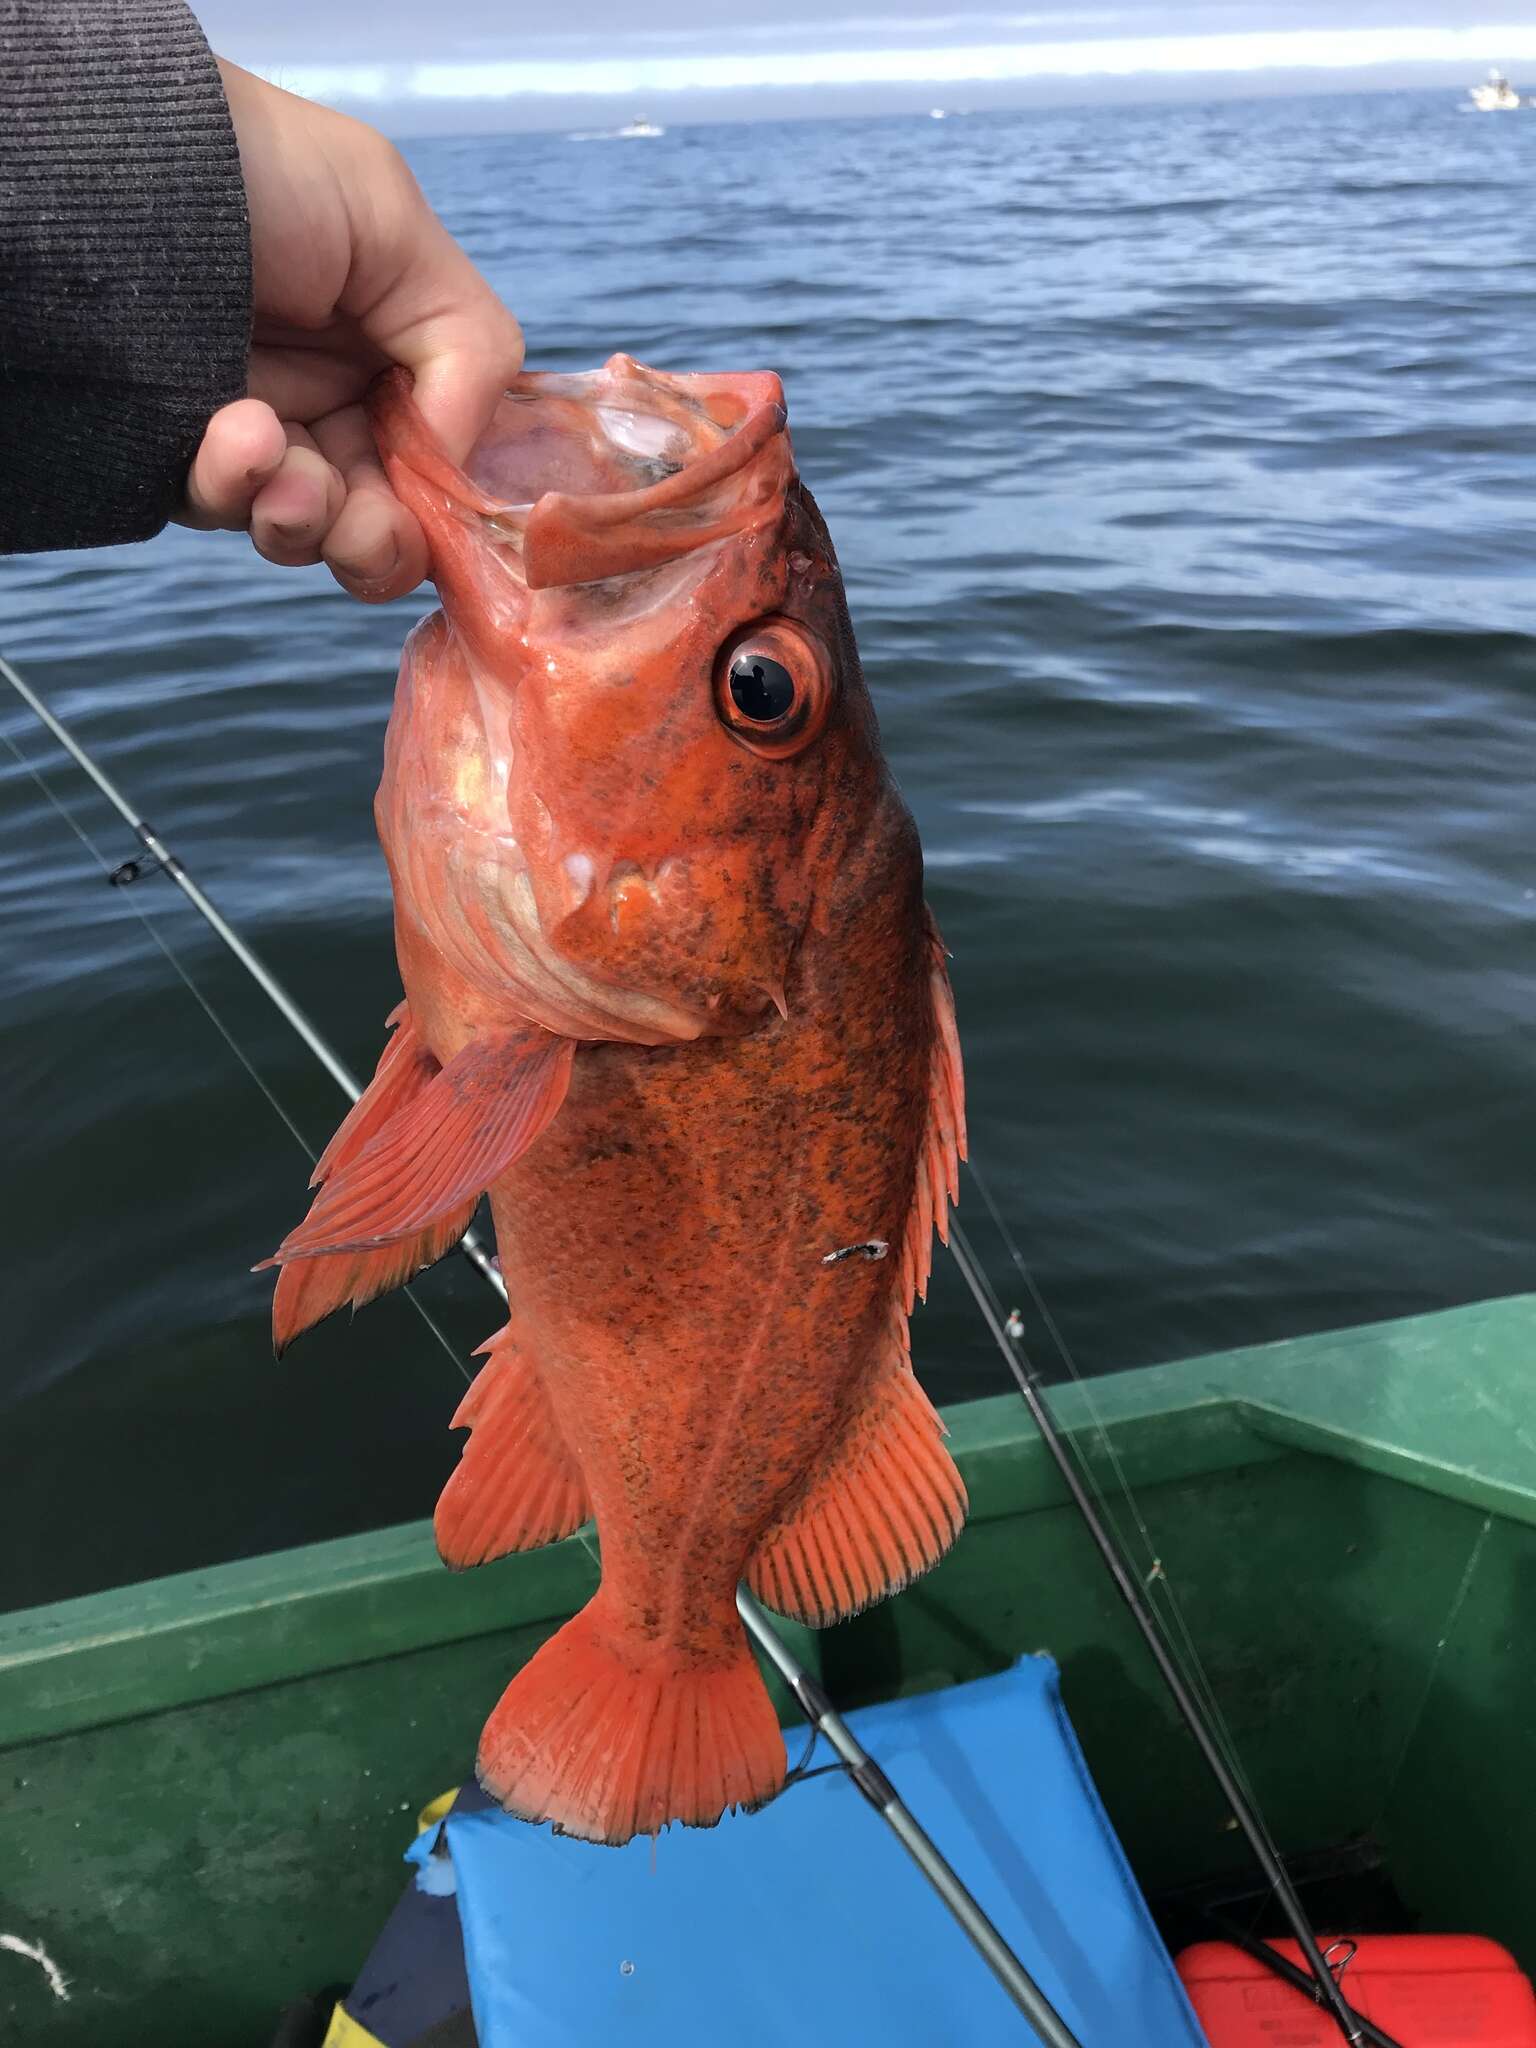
(1426, 1990)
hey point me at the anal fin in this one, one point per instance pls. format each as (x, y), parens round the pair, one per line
(885, 1503)
(517, 1485)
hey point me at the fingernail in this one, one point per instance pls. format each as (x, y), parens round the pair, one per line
(367, 580)
(378, 564)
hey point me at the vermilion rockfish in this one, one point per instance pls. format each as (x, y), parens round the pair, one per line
(673, 998)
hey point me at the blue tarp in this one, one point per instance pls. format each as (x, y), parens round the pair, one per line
(808, 1924)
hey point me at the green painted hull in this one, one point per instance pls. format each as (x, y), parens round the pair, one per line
(210, 1778)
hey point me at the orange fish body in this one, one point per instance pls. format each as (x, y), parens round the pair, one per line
(673, 998)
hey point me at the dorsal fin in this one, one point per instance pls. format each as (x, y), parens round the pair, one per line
(943, 1144)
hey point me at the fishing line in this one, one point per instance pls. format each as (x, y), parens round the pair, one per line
(1152, 1635)
(212, 1015)
(1180, 1643)
(148, 923)
(1179, 1638)
(1178, 1635)
(1209, 1743)
(1447, 1629)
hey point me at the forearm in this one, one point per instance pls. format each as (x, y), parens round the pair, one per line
(125, 289)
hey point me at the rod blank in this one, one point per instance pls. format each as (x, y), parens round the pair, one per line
(1193, 1716)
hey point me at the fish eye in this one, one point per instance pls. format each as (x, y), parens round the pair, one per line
(763, 689)
(773, 687)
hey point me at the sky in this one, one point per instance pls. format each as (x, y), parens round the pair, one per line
(458, 63)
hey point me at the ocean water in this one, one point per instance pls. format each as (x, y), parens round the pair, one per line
(1183, 469)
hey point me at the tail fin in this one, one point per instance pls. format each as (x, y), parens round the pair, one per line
(610, 1736)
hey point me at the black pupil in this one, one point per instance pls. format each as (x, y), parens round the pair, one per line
(763, 689)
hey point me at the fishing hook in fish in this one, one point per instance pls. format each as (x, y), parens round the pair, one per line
(820, 1713)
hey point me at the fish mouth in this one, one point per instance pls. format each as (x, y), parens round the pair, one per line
(602, 473)
(546, 538)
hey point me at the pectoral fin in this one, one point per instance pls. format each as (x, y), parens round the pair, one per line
(309, 1290)
(405, 1067)
(441, 1150)
(937, 1182)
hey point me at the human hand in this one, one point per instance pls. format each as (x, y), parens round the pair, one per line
(352, 271)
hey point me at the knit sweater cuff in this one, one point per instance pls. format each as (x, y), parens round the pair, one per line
(125, 269)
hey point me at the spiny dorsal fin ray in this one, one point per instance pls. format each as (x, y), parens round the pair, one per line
(937, 1182)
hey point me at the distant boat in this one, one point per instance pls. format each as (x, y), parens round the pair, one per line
(937, 113)
(639, 126)
(1498, 96)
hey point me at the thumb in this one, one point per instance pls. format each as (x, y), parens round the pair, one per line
(444, 323)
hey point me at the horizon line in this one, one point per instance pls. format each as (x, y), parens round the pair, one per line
(1244, 53)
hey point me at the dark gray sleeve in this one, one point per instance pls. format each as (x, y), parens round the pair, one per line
(125, 269)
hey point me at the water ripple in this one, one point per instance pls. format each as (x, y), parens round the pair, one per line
(1181, 470)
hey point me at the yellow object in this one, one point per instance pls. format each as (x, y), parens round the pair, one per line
(429, 1817)
(346, 2032)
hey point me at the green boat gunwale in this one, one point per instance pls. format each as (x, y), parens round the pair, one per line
(212, 1776)
(1398, 1398)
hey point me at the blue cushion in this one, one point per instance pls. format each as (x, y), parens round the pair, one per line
(807, 1923)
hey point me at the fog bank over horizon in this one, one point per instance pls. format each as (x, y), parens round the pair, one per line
(466, 66)
(595, 116)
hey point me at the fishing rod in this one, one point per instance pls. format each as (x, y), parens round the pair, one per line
(1287, 1971)
(882, 1795)
(159, 856)
(1051, 2029)
(1327, 1993)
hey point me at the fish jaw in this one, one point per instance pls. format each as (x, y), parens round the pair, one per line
(581, 479)
(618, 854)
